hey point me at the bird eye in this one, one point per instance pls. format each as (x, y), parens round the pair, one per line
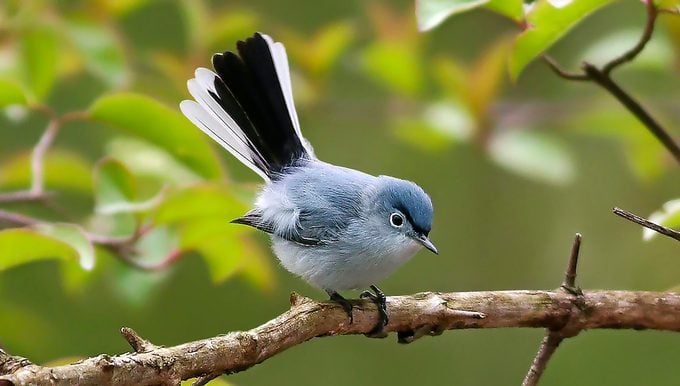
(396, 220)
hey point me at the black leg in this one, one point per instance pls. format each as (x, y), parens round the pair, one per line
(378, 297)
(346, 305)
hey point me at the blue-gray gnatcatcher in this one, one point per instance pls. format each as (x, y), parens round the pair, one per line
(335, 227)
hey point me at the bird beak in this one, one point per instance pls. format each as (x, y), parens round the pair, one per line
(422, 239)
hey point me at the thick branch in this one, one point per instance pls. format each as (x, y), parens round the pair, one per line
(307, 319)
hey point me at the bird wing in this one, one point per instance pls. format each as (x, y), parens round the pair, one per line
(254, 218)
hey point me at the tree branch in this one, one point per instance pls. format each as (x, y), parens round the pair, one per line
(602, 77)
(307, 319)
(647, 224)
(553, 337)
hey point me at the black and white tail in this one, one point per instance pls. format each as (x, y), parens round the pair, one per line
(247, 107)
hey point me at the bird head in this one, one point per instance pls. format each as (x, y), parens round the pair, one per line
(405, 209)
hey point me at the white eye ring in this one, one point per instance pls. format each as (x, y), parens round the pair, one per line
(396, 220)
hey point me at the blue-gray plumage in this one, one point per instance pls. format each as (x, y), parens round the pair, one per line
(335, 227)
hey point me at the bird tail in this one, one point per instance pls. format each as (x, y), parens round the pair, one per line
(247, 106)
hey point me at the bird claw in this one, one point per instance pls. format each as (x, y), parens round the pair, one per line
(378, 297)
(344, 303)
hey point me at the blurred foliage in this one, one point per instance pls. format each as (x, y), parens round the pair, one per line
(447, 108)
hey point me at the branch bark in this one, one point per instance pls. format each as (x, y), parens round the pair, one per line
(424, 314)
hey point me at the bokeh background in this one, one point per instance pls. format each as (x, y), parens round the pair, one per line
(514, 170)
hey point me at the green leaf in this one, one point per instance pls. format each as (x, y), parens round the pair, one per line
(513, 9)
(160, 125)
(11, 93)
(658, 53)
(39, 57)
(647, 157)
(546, 25)
(21, 246)
(74, 236)
(101, 51)
(431, 13)
(671, 6)
(395, 65)
(144, 159)
(668, 216)
(200, 201)
(136, 286)
(223, 255)
(440, 125)
(116, 190)
(123, 7)
(451, 76)
(114, 187)
(485, 80)
(63, 170)
(228, 27)
(534, 155)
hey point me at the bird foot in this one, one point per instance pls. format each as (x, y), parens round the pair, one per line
(378, 297)
(344, 303)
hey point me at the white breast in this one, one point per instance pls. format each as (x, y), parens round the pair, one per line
(333, 267)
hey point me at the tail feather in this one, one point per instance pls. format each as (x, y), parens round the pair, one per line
(247, 107)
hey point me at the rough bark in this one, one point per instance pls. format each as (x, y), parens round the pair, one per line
(410, 316)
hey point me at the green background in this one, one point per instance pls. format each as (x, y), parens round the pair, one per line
(495, 229)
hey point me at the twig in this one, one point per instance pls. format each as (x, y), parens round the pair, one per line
(555, 335)
(647, 224)
(644, 39)
(37, 190)
(38, 156)
(548, 346)
(562, 73)
(634, 107)
(122, 247)
(307, 319)
(137, 343)
(23, 196)
(602, 77)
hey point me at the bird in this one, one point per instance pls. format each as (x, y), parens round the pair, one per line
(337, 228)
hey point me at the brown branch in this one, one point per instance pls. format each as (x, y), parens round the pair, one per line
(602, 77)
(548, 346)
(553, 337)
(644, 39)
(647, 224)
(123, 247)
(23, 196)
(37, 190)
(307, 319)
(38, 156)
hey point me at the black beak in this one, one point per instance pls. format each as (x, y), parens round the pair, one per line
(422, 239)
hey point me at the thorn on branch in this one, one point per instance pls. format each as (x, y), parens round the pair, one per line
(647, 224)
(296, 299)
(569, 282)
(139, 344)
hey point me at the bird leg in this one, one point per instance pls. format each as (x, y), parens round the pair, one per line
(344, 303)
(378, 297)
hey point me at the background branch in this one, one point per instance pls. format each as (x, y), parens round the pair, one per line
(307, 319)
(602, 77)
(647, 224)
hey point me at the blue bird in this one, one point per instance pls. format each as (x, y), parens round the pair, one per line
(337, 228)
